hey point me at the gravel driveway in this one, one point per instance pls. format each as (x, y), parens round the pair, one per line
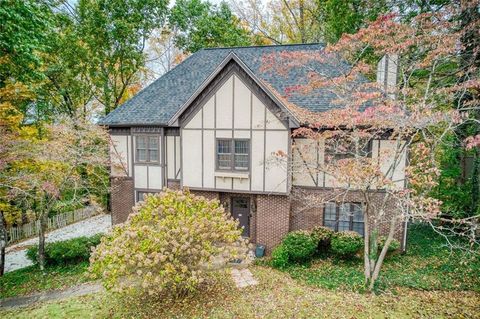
(16, 255)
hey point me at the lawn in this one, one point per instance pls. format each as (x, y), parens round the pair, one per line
(276, 296)
(427, 265)
(428, 281)
(30, 279)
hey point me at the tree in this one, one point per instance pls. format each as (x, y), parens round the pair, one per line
(416, 114)
(340, 16)
(49, 172)
(199, 25)
(306, 21)
(10, 119)
(164, 54)
(25, 26)
(281, 21)
(67, 88)
(114, 34)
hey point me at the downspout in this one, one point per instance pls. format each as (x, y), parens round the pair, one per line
(162, 164)
(405, 232)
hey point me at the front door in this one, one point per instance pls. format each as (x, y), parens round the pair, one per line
(241, 211)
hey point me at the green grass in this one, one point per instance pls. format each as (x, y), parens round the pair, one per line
(276, 296)
(30, 279)
(429, 281)
(427, 265)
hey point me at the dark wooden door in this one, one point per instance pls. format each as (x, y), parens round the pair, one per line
(241, 211)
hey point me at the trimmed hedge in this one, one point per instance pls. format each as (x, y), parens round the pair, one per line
(394, 244)
(65, 252)
(280, 257)
(346, 244)
(323, 235)
(300, 245)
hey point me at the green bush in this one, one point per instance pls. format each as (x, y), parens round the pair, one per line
(346, 244)
(69, 251)
(394, 244)
(280, 257)
(323, 235)
(300, 245)
(170, 244)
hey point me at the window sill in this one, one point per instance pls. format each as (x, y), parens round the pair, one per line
(233, 174)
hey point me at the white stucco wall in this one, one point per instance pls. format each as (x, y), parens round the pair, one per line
(305, 163)
(393, 167)
(172, 149)
(234, 111)
(120, 155)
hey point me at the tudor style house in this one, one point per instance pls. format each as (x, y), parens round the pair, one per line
(210, 124)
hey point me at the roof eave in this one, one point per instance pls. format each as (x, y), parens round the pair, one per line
(134, 124)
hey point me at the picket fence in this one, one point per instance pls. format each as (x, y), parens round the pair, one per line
(61, 220)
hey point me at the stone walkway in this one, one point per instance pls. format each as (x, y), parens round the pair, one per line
(16, 255)
(243, 278)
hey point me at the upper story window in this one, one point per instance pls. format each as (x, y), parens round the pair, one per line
(147, 149)
(343, 216)
(233, 154)
(338, 149)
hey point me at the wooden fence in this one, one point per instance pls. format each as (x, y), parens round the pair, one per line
(61, 220)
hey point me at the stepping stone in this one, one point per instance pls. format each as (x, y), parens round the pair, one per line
(243, 278)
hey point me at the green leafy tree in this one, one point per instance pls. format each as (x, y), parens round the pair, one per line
(347, 16)
(114, 33)
(24, 28)
(199, 24)
(67, 89)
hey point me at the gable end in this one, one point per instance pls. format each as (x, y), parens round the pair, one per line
(233, 68)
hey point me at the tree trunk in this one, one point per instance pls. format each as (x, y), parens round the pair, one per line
(381, 257)
(41, 240)
(3, 243)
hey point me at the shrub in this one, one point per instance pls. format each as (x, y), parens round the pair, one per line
(394, 244)
(169, 244)
(64, 252)
(323, 235)
(346, 243)
(300, 246)
(280, 257)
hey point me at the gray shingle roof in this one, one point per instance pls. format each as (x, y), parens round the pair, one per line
(158, 102)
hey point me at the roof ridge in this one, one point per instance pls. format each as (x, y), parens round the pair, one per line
(264, 46)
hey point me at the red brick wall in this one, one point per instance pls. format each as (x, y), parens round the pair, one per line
(306, 214)
(272, 219)
(122, 198)
(207, 195)
(272, 216)
(173, 184)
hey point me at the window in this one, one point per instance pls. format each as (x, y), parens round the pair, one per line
(233, 154)
(337, 149)
(343, 216)
(142, 194)
(147, 149)
(224, 154)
